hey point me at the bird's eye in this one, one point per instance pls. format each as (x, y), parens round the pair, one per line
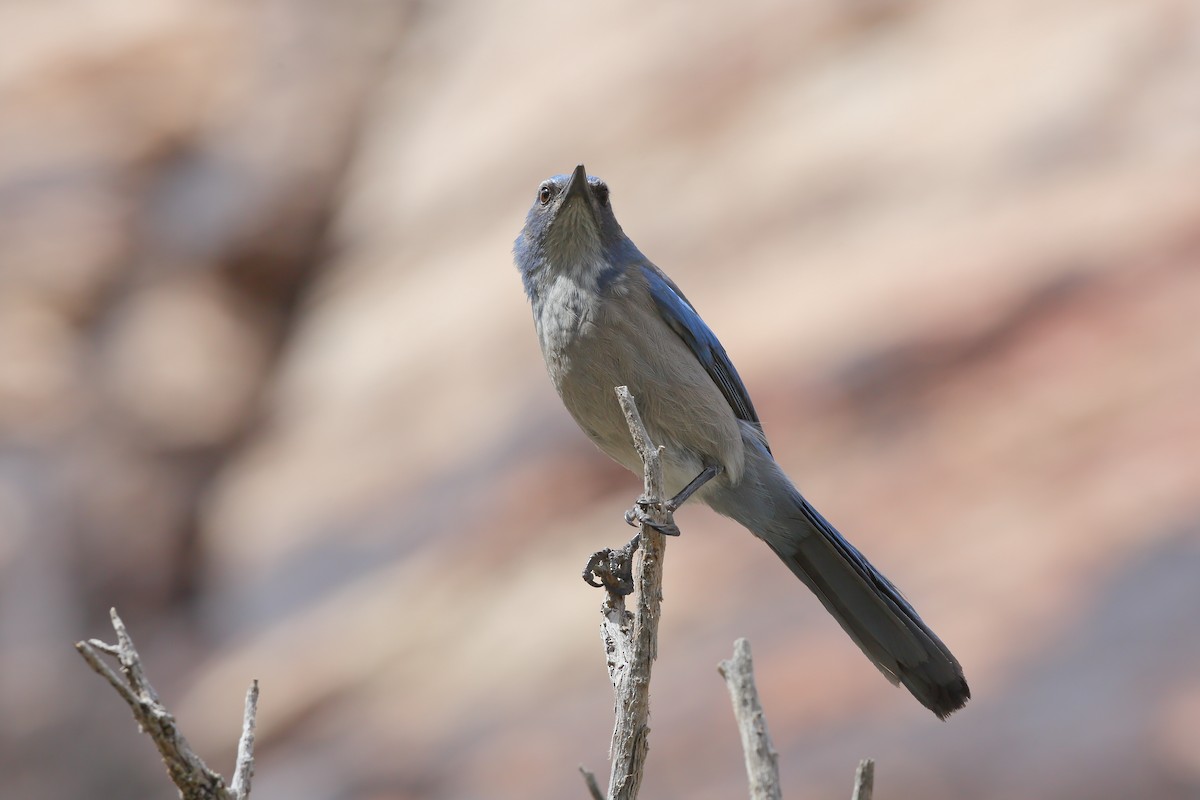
(544, 194)
(601, 192)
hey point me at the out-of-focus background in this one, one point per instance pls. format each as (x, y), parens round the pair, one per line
(269, 385)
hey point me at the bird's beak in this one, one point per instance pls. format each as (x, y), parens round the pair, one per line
(577, 186)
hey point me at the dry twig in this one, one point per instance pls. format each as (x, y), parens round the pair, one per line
(762, 762)
(188, 772)
(592, 786)
(631, 639)
(864, 780)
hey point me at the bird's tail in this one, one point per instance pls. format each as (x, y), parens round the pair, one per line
(865, 603)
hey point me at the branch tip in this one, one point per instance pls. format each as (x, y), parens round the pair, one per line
(589, 780)
(864, 780)
(762, 761)
(193, 779)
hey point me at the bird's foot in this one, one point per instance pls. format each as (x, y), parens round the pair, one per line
(640, 515)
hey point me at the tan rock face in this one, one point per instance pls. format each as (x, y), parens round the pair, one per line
(269, 385)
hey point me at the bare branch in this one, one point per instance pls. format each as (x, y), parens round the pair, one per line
(244, 769)
(104, 647)
(762, 762)
(593, 788)
(631, 639)
(92, 657)
(864, 780)
(187, 771)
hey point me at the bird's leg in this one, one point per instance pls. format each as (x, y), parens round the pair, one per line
(706, 475)
(638, 515)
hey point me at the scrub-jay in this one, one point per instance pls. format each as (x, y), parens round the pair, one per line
(605, 317)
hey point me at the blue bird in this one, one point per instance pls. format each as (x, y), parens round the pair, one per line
(605, 317)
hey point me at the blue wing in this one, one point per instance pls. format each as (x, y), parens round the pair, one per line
(681, 316)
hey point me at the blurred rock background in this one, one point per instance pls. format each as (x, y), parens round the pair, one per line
(268, 384)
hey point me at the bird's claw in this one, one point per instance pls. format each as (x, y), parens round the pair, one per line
(640, 515)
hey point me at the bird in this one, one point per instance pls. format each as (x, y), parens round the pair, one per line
(606, 316)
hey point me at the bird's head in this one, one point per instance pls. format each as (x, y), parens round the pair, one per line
(570, 228)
